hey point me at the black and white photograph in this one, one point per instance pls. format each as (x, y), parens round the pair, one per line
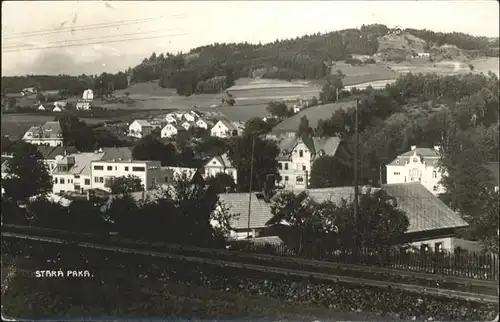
(270, 161)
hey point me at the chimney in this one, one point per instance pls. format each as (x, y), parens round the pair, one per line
(437, 148)
(413, 147)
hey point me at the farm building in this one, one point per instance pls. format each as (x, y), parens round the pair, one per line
(140, 129)
(226, 128)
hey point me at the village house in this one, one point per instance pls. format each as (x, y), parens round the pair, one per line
(57, 109)
(29, 91)
(88, 95)
(220, 164)
(49, 133)
(171, 118)
(52, 155)
(83, 105)
(104, 172)
(190, 117)
(298, 155)
(226, 128)
(140, 129)
(171, 130)
(417, 165)
(187, 125)
(203, 124)
(41, 108)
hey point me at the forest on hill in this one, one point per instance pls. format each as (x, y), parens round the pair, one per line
(212, 68)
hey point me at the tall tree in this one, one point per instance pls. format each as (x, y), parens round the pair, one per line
(330, 171)
(27, 175)
(125, 185)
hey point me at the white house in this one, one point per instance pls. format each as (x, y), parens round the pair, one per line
(61, 104)
(73, 172)
(186, 125)
(88, 95)
(83, 105)
(29, 91)
(297, 157)
(202, 124)
(423, 55)
(104, 172)
(140, 129)
(57, 109)
(171, 130)
(179, 172)
(190, 117)
(225, 128)
(220, 164)
(41, 108)
(171, 118)
(418, 165)
(49, 133)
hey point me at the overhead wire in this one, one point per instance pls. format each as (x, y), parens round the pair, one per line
(94, 43)
(82, 39)
(84, 27)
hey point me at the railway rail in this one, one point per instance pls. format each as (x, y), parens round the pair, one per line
(308, 264)
(469, 296)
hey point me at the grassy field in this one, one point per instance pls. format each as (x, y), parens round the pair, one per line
(363, 74)
(314, 114)
(112, 294)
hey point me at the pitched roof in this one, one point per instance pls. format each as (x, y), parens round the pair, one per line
(223, 159)
(50, 152)
(124, 153)
(229, 125)
(82, 162)
(50, 130)
(237, 204)
(142, 123)
(328, 145)
(424, 210)
(428, 155)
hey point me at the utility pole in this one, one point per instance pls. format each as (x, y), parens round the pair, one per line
(356, 192)
(250, 188)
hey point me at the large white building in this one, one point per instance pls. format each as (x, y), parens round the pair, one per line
(49, 133)
(73, 172)
(297, 157)
(417, 165)
(104, 172)
(220, 164)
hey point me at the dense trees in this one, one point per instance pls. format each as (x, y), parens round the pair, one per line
(152, 148)
(27, 176)
(125, 185)
(331, 171)
(264, 161)
(378, 225)
(279, 109)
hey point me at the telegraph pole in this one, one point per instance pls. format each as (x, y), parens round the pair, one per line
(250, 188)
(356, 192)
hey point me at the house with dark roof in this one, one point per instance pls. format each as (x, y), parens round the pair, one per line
(49, 133)
(51, 155)
(417, 165)
(432, 224)
(297, 156)
(220, 164)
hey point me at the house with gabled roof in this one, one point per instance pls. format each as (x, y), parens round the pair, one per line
(220, 164)
(417, 165)
(225, 128)
(49, 133)
(297, 156)
(140, 129)
(171, 130)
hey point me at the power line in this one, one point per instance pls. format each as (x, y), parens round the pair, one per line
(95, 43)
(82, 39)
(85, 27)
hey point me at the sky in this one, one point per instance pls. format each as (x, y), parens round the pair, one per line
(183, 25)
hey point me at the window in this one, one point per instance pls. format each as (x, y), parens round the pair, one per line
(424, 248)
(101, 179)
(434, 174)
(301, 153)
(62, 181)
(280, 165)
(438, 247)
(286, 178)
(299, 180)
(286, 165)
(153, 181)
(116, 168)
(96, 179)
(109, 168)
(303, 167)
(126, 168)
(77, 176)
(214, 162)
(397, 173)
(87, 182)
(55, 179)
(98, 167)
(138, 169)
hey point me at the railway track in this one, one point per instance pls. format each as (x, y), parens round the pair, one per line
(426, 279)
(268, 267)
